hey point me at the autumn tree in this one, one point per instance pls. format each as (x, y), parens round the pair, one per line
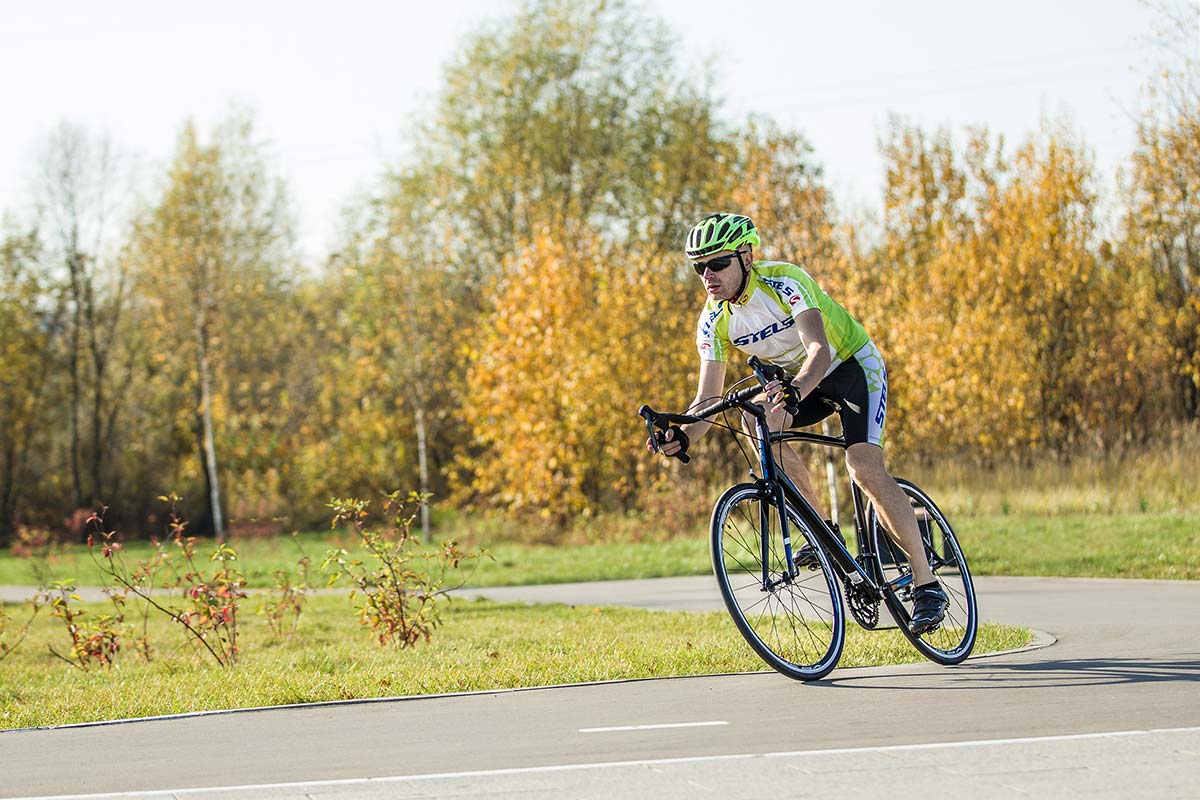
(397, 320)
(571, 118)
(778, 184)
(565, 358)
(209, 257)
(1162, 211)
(567, 124)
(29, 324)
(996, 304)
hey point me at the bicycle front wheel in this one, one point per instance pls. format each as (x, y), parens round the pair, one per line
(796, 625)
(952, 641)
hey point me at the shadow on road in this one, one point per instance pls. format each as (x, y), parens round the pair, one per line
(1050, 673)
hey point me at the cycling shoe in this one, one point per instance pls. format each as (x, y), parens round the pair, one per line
(929, 609)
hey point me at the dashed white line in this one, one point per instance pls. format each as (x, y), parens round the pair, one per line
(707, 724)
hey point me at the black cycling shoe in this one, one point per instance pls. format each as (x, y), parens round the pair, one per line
(929, 609)
(806, 556)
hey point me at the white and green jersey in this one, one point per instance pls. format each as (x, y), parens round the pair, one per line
(762, 321)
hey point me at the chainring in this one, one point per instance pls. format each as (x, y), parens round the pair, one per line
(863, 607)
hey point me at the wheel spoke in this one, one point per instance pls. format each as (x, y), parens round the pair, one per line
(797, 625)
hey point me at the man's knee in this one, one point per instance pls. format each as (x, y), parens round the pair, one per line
(865, 465)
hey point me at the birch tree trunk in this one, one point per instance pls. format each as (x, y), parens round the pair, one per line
(206, 422)
(423, 465)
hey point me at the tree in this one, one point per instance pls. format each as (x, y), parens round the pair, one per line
(569, 348)
(28, 323)
(395, 317)
(1162, 209)
(570, 118)
(80, 190)
(209, 257)
(567, 124)
(996, 312)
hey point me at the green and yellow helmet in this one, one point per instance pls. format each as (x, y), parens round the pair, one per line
(718, 232)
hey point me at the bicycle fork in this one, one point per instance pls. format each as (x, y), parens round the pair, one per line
(770, 487)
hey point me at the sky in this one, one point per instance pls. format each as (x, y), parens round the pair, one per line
(335, 86)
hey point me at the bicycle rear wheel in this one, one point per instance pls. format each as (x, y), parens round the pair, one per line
(952, 641)
(796, 625)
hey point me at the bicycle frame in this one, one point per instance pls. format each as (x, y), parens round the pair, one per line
(785, 489)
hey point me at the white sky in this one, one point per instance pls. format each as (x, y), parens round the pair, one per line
(333, 84)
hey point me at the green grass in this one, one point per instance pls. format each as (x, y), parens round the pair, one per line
(482, 645)
(511, 563)
(1164, 545)
(258, 558)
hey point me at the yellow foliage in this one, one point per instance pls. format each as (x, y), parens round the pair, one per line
(576, 337)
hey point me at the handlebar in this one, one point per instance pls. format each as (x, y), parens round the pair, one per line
(656, 421)
(765, 373)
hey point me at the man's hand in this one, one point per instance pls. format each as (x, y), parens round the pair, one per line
(780, 396)
(673, 443)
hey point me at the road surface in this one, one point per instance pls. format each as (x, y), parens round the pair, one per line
(1112, 708)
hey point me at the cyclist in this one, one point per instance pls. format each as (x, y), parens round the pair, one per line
(776, 311)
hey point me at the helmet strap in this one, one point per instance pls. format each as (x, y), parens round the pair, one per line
(745, 275)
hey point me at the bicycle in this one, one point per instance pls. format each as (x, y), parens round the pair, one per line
(792, 615)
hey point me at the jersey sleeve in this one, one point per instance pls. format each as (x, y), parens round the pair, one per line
(798, 292)
(795, 289)
(712, 339)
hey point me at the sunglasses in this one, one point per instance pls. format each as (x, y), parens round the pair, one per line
(717, 264)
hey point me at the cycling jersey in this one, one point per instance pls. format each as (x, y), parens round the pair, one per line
(762, 321)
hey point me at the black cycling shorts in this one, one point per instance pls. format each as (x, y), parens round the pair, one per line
(863, 399)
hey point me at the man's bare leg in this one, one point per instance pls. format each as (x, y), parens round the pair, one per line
(867, 470)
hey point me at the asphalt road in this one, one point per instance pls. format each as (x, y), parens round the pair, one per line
(1111, 708)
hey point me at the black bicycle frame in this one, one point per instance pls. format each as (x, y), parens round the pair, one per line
(785, 489)
(847, 564)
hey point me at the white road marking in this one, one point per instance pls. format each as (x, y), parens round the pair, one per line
(655, 727)
(892, 748)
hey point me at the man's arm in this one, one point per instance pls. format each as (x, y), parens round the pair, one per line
(811, 328)
(708, 389)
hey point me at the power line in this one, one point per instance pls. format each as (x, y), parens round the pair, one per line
(942, 90)
(1023, 62)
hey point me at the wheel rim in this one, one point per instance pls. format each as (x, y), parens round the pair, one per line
(797, 622)
(954, 638)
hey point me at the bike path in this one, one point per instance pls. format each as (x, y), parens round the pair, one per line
(1111, 709)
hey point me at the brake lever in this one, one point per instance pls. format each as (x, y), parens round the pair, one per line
(773, 372)
(657, 423)
(648, 415)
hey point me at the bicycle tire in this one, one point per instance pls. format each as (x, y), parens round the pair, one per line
(952, 641)
(798, 627)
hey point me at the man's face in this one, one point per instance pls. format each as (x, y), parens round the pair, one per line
(722, 284)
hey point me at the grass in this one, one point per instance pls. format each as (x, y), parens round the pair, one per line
(1153, 545)
(482, 645)
(511, 563)
(1157, 477)
(1158, 545)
